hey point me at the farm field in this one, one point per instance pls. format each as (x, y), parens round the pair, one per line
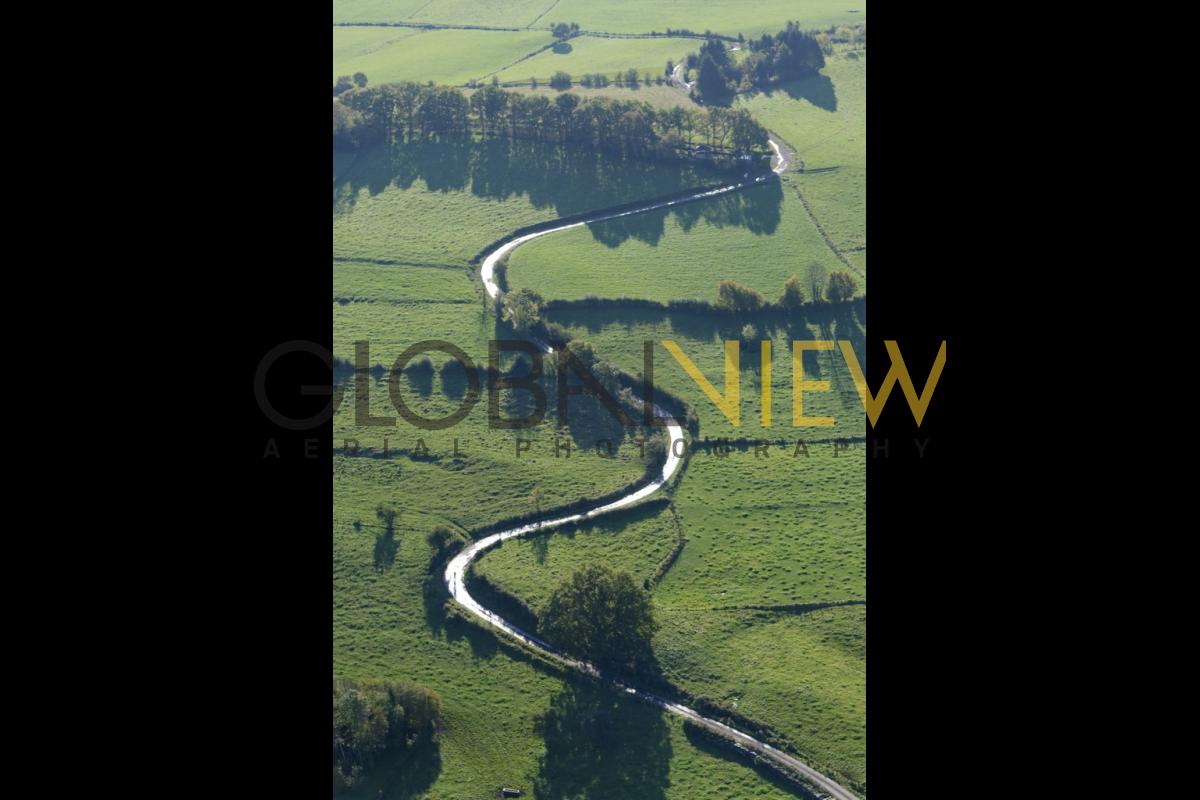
(727, 17)
(384, 627)
(825, 119)
(390, 55)
(799, 541)
(441, 202)
(658, 96)
(762, 611)
(700, 337)
(757, 237)
(503, 13)
(590, 54)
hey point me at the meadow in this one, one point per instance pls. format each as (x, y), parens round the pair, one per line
(728, 17)
(762, 537)
(453, 57)
(700, 336)
(761, 611)
(591, 54)
(758, 237)
(825, 119)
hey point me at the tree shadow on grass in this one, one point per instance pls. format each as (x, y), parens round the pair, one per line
(601, 745)
(403, 774)
(818, 90)
(719, 750)
(569, 180)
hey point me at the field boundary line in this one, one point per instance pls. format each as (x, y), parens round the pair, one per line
(539, 16)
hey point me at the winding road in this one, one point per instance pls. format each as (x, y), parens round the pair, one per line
(457, 568)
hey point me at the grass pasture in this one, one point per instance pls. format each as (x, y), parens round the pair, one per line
(728, 17)
(759, 535)
(758, 237)
(453, 57)
(591, 54)
(825, 119)
(616, 16)
(764, 535)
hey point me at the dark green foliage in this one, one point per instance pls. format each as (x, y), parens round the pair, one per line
(522, 308)
(600, 615)
(410, 111)
(370, 717)
(788, 55)
(793, 294)
(842, 287)
(733, 296)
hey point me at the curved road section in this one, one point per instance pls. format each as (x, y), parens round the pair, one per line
(457, 568)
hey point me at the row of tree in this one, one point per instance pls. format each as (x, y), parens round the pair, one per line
(733, 296)
(790, 54)
(409, 111)
(370, 717)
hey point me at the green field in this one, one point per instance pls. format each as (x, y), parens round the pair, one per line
(617, 16)
(764, 535)
(759, 533)
(758, 237)
(591, 54)
(825, 119)
(389, 55)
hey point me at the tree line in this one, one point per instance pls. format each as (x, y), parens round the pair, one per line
(371, 717)
(408, 111)
(790, 54)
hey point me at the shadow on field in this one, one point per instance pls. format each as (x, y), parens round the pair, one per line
(401, 775)
(757, 210)
(817, 90)
(569, 180)
(717, 750)
(602, 745)
(831, 322)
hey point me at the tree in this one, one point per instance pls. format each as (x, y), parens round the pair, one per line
(441, 536)
(710, 84)
(343, 84)
(600, 615)
(533, 83)
(560, 81)
(793, 293)
(670, 67)
(842, 286)
(372, 716)
(631, 78)
(733, 296)
(360, 79)
(535, 497)
(522, 308)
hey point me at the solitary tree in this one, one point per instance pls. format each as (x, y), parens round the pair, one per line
(793, 293)
(710, 84)
(733, 296)
(842, 286)
(535, 497)
(522, 308)
(360, 79)
(600, 615)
